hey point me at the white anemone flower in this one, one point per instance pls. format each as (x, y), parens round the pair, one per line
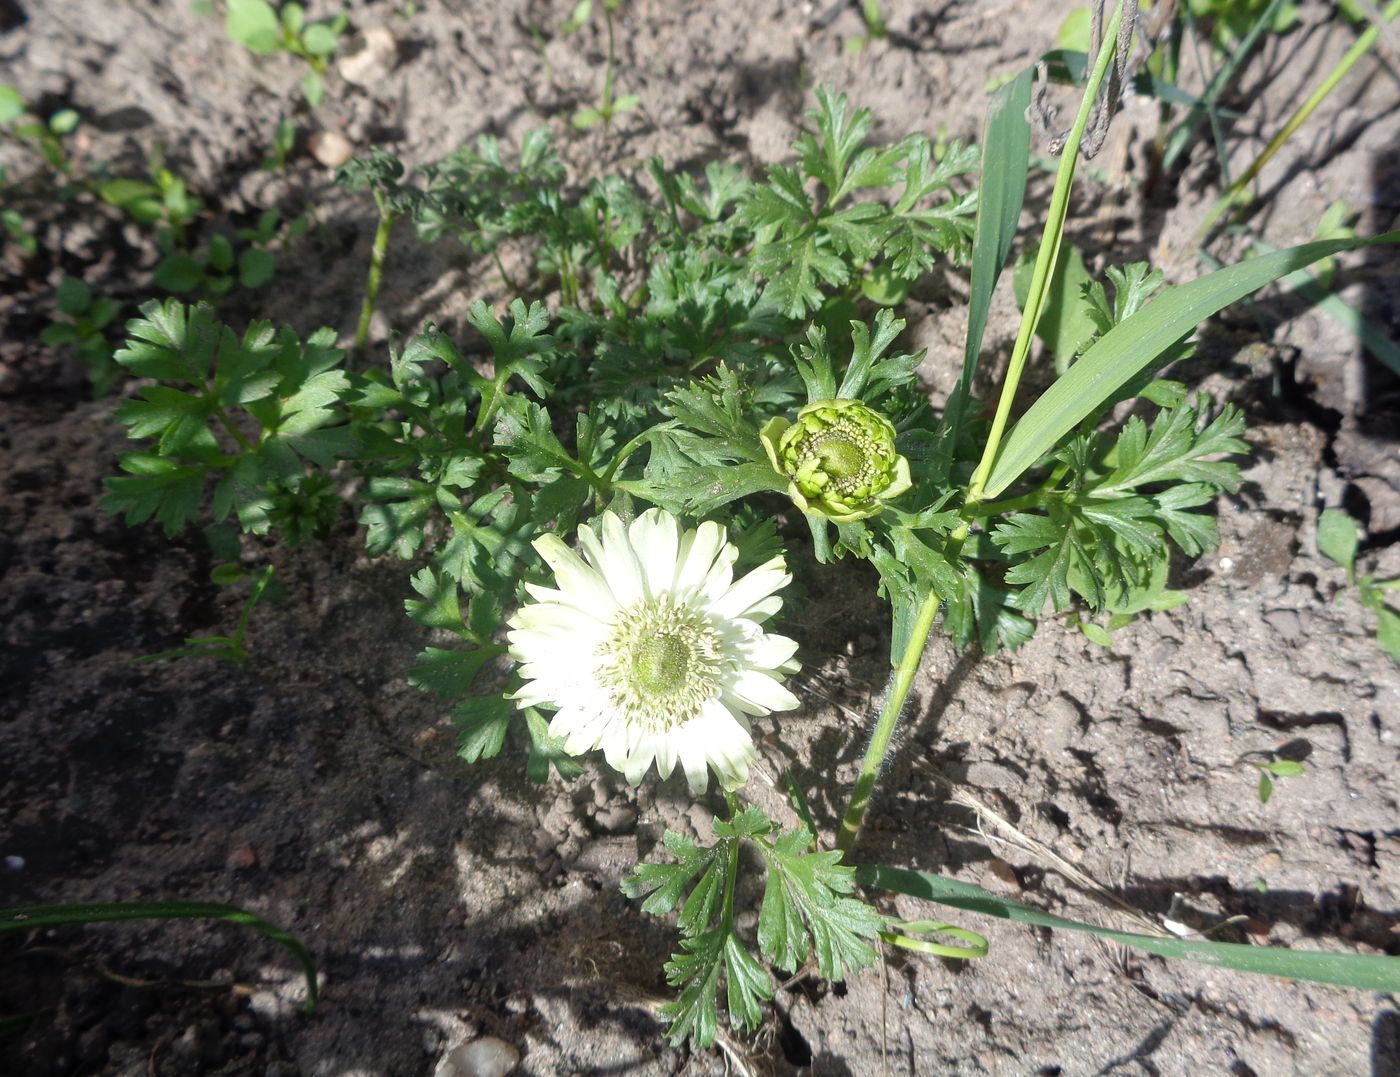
(650, 649)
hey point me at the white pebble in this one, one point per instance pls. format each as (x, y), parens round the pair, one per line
(485, 1057)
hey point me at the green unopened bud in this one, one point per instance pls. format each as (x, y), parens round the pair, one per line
(839, 459)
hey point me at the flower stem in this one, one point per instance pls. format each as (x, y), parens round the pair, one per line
(884, 725)
(377, 255)
(1046, 258)
(1235, 195)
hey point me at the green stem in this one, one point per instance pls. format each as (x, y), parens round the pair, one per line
(1046, 258)
(227, 423)
(884, 725)
(608, 71)
(1235, 195)
(731, 868)
(501, 268)
(377, 256)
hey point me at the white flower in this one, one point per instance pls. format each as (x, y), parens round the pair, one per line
(650, 649)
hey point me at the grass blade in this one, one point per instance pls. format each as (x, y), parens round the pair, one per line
(1366, 971)
(1133, 345)
(1371, 336)
(1180, 137)
(1006, 151)
(27, 918)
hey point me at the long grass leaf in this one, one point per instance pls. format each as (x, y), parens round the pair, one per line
(1135, 344)
(1372, 337)
(1367, 971)
(27, 918)
(1006, 151)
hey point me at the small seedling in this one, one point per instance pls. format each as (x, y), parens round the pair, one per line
(83, 325)
(15, 223)
(47, 135)
(1271, 769)
(163, 199)
(283, 142)
(609, 106)
(1339, 539)
(246, 261)
(260, 28)
(233, 647)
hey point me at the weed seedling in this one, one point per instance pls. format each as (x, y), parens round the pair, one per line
(17, 228)
(233, 647)
(283, 141)
(1271, 769)
(608, 106)
(162, 199)
(260, 28)
(45, 135)
(84, 322)
(1338, 539)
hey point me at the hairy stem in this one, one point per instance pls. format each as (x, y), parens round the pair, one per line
(377, 255)
(884, 725)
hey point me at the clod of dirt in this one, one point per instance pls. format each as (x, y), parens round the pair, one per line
(486, 1057)
(331, 148)
(369, 57)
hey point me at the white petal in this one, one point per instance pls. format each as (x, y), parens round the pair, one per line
(582, 584)
(759, 693)
(765, 650)
(696, 559)
(637, 762)
(665, 750)
(751, 589)
(613, 554)
(656, 537)
(761, 611)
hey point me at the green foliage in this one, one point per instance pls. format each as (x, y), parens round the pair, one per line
(1230, 20)
(1275, 768)
(264, 30)
(805, 242)
(609, 105)
(83, 324)
(163, 199)
(233, 647)
(806, 909)
(1066, 326)
(1103, 518)
(46, 135)
(691, 314)
(46, 917)
(1339, 539)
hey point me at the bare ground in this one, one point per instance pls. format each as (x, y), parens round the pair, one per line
(446, 901)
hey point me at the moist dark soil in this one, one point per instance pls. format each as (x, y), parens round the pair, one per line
(446, 902)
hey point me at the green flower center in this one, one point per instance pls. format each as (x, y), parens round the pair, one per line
(661, 663)
(840, 458)
(846, 453)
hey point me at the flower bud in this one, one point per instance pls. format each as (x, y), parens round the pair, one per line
(839, 459)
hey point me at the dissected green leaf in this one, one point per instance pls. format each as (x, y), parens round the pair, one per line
(1135, 344)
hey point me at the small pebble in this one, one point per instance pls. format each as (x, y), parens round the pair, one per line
(486, 1057)
(14, 863)
(369, 56)
(242, 858)
(330, 148)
